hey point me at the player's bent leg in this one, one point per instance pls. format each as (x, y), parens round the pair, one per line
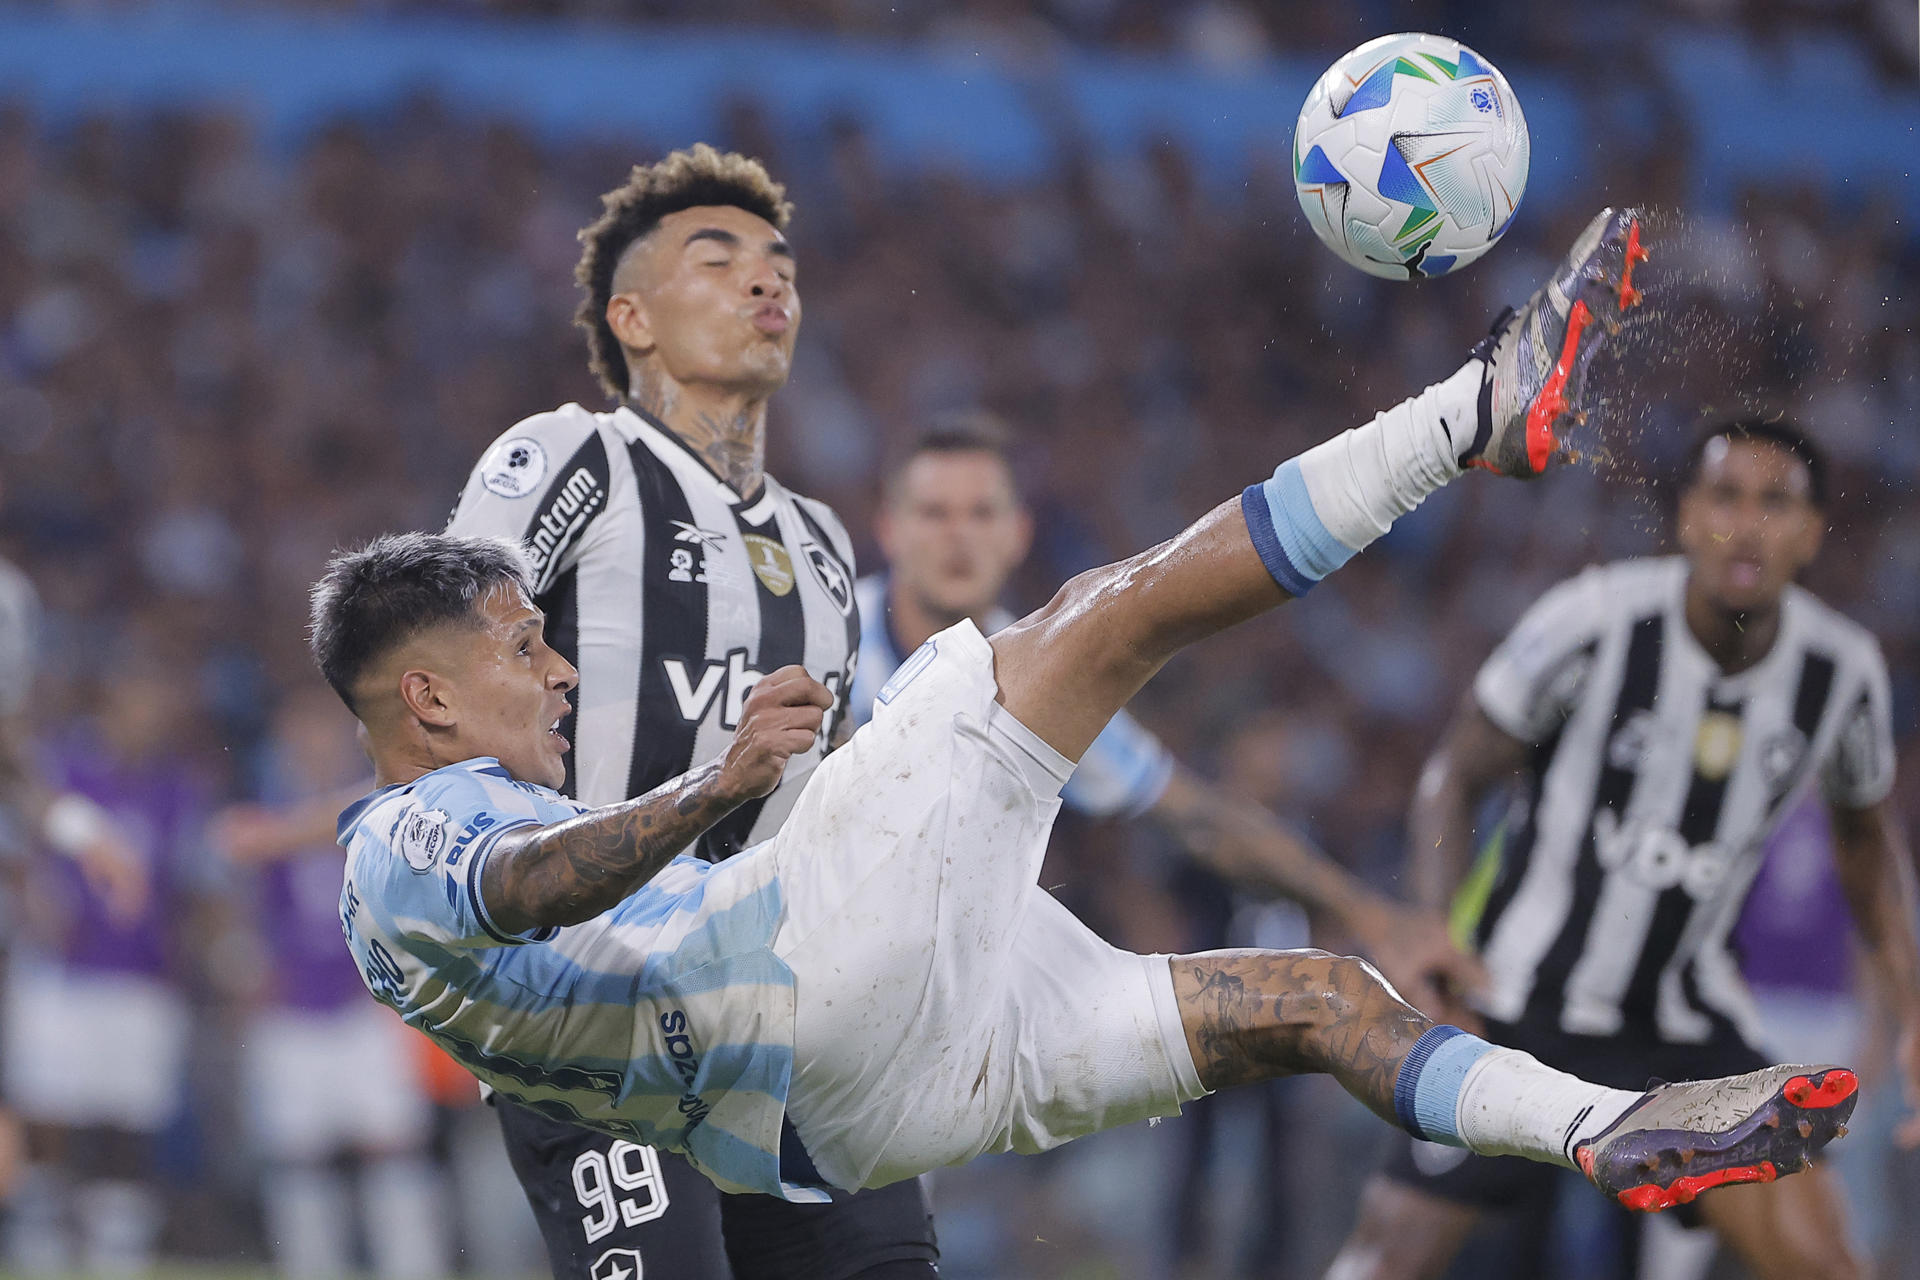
(1786, 1230)
(1065, 670)
(1401, 1234)
(1252, 1015)
(1255, 1015)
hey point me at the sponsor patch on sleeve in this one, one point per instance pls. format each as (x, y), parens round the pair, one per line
(422, 838)
(515, 468)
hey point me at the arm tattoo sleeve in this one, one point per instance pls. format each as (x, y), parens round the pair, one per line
(574, 870)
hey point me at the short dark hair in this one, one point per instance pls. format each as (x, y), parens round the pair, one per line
(956, 431)
(369, 601)
(684, 180)
(1779, 432)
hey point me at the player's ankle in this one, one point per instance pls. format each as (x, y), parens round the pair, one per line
(1513, 1104)
(1324, 507)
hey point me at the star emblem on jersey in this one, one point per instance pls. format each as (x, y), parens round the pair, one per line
(770, 561)
(828, 572)
(617, 1264)
(1781, 755)
(515, 468)
(423, 834)
(702, 538)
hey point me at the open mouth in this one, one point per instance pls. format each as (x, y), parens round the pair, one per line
(1744, 573)
(557, 739)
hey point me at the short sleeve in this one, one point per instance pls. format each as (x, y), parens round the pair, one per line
(1123, 774)
(543, 484)
(1533, 679)
(434, 866)
(1858, 770)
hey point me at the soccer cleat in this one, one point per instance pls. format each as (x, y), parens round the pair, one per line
(1682, 1139)
(1537, 358)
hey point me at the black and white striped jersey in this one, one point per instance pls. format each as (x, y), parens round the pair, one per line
(671, 594)
(1655, 779)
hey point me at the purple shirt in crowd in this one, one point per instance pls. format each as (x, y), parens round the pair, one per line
(299, 918)
(157, 804)
(1795, 932)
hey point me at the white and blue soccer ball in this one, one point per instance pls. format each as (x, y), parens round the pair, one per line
(1410, 156)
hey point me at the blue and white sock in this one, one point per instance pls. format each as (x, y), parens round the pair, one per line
(1457, 1089)
(1322, 508)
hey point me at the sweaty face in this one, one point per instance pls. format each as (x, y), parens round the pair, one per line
(1748, 523)
(509, 690)
(709, 296)
(953, 530)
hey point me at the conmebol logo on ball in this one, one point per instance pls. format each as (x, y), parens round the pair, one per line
(1410, 156)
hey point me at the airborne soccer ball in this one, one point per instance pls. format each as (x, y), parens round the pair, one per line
(1410, 156)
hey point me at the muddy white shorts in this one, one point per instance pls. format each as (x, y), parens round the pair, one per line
(945, 1005)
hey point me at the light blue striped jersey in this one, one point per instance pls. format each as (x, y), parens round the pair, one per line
(667, 1020)
(1124, 772)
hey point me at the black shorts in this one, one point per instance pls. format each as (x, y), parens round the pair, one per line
(605, 1205)
(1507, 1183)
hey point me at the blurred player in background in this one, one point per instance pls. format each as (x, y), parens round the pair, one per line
(330, 1082)
(96, 1022)
(35, 815)
(675, 573)
(953, 529)
(1662, 716)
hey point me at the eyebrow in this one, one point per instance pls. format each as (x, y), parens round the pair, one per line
(732, 241)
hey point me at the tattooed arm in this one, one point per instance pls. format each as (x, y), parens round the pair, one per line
(573, 870)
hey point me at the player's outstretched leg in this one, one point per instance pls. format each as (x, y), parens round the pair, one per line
(1065, 670)
(1254, 1015)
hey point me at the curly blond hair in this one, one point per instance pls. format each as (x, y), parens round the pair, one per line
(686, 179)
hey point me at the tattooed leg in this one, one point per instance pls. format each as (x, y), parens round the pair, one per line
(1255, 1015)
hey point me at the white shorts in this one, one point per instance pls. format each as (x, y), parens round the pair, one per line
(946, 1006)
(322, 1083)
(93, 1048)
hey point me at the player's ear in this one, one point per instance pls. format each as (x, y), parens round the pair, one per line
(1811, 536)
(428, 697)
(627, 317)
(1686, 525)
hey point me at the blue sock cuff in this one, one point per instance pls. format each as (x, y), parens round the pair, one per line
(1426, 1093)
(1288, 533)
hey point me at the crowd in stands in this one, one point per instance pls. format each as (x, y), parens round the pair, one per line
(218, 363)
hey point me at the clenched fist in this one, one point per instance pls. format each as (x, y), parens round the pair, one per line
(781, 718)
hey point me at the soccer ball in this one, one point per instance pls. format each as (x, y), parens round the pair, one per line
(1410, 156)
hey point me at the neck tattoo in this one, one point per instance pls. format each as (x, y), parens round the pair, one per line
(734, 445)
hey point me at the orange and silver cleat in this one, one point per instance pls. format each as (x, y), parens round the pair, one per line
(1682, 1139)
(1537, 358)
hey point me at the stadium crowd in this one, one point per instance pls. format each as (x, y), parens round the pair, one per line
(218, 363)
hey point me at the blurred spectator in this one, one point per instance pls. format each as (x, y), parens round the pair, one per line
(96, 1022)
(333, 1095)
